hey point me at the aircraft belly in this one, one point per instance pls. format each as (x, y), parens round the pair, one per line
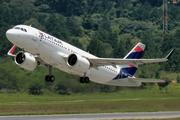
(56, 60)
(101, 75)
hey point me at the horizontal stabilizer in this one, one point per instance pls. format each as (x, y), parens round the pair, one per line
(146, 80)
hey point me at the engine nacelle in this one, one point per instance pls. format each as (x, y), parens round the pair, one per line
(25, 60)
(78, 63)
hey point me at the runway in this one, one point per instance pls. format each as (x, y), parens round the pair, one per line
(103, 116)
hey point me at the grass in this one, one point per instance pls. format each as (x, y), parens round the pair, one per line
(128, 100)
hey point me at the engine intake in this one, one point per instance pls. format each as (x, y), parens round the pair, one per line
(72, 60)
(78, 63)
(25, 60)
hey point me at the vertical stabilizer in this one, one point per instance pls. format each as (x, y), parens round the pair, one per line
(135, 53)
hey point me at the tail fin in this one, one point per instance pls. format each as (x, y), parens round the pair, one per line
(135, 53)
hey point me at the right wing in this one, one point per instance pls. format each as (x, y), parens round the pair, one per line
(112, 61)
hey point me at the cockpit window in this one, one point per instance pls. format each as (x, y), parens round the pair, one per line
(18, 28)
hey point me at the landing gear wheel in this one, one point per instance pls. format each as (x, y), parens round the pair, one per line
(81, 80)
(47, 78)
(52, 78)
(86, 80)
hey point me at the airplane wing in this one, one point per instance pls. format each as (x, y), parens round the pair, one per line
(146, 80)
(36, 56)
(111, 61)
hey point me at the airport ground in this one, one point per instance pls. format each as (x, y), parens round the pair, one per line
(127, 100)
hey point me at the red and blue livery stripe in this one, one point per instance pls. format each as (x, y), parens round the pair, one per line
(136, 54)
(129, 70)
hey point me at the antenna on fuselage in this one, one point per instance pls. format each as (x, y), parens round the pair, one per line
(30, 25)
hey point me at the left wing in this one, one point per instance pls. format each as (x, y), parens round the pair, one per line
(111, 61)
(36, 56)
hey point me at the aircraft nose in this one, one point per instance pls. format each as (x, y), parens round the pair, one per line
(9, 34)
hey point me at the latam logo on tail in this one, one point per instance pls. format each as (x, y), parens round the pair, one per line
(39, 47)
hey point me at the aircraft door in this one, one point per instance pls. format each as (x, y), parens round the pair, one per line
(34, 42)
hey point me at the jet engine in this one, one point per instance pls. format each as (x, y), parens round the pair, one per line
(25, 60)
(78, 63)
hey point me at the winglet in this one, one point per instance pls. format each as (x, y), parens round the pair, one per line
(169, 55)
(10, 52)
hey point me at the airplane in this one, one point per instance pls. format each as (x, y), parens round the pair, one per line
(39, 47)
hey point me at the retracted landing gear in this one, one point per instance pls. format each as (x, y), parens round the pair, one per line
(50, 78)
(84, 80)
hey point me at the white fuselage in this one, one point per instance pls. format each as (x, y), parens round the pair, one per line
(52, 51)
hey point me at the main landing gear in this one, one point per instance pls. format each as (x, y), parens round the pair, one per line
(84, 80)
(50, 78)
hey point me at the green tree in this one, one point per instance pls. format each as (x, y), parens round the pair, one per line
(123, 46)
(178, 79)
(61, 89)
(96, 47)
(164, 84)
(75, 42)
(55, 26)
(87, 22)
(171, 41)
(158, 74)
(35, 88)
(73, 27)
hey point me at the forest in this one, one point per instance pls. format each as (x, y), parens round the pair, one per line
(105, 28)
